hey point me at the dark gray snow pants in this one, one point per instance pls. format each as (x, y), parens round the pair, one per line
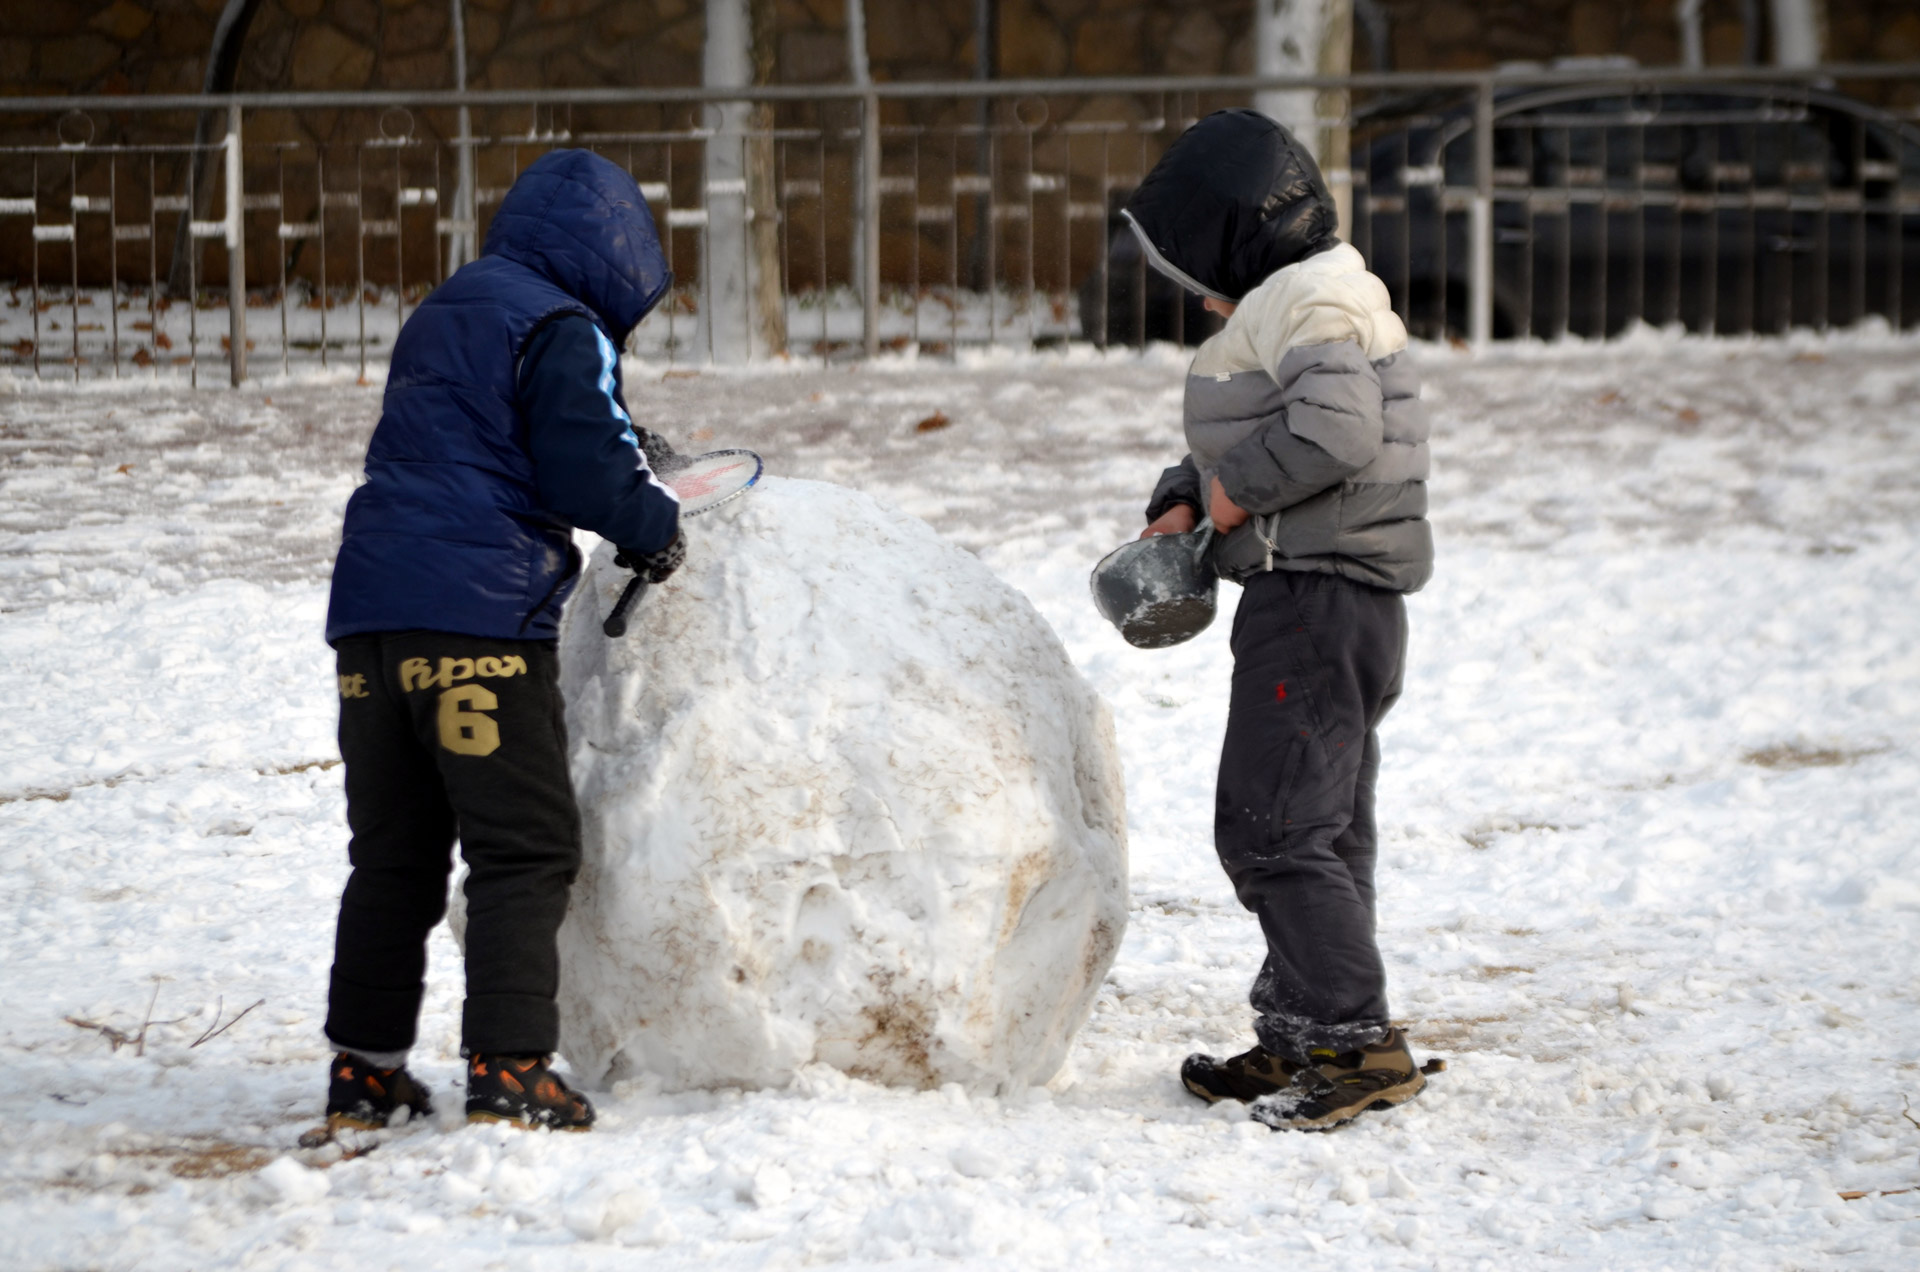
(1317, 662)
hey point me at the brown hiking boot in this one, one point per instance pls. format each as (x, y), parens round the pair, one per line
(1342, 1086)
(523, 1091)
(1245, 1077)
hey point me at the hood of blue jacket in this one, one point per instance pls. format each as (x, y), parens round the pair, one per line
(581, 221)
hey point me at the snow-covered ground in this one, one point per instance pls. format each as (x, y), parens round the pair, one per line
(132, 334)
(1651, 877)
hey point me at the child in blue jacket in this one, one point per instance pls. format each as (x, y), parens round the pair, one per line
(502, 429)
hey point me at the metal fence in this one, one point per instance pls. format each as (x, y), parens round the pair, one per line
(845, 220)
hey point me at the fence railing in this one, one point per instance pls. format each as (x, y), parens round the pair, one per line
(843, 220)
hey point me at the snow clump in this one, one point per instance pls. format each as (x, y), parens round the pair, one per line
(845, 801)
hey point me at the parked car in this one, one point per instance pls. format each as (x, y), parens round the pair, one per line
(1731, 209)
(1735, 208)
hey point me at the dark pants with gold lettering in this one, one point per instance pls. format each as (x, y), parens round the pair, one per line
(444, 737)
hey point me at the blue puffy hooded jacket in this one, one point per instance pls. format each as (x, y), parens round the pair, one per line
(451, 531)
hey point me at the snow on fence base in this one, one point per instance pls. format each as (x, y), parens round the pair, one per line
(846, 801)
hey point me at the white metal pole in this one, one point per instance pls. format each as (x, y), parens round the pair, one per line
(1480, 250)
(460, 242)
(866, 228)
(870, 224)
(236, 255)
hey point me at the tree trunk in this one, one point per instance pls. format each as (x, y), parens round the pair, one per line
(861, 73)
(1309, 37)
(743, 303)
(763, 197)
(1799, 31)
(724, 304)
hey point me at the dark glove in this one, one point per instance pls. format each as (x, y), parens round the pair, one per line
(661, 456)
(654, 567)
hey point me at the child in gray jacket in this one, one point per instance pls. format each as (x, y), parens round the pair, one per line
(1308, 449)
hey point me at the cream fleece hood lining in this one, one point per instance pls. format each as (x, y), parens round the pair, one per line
(1325, 298)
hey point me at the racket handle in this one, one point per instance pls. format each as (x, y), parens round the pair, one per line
(616, 624)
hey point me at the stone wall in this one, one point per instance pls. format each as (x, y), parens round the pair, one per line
(160, 46)
(121, 46)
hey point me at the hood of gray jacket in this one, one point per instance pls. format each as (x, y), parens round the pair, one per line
(1234, 199)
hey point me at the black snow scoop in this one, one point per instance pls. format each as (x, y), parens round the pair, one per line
(1159, 591)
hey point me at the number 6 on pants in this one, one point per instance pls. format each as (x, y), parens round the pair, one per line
(463, 729)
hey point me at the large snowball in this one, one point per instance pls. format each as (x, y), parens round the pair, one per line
(845, 800)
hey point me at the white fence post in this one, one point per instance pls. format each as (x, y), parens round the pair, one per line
(870, 223)
(236, 254)
(1480, 250)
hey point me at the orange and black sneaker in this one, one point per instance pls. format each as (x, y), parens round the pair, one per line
(523, 1091)
(365, 1098)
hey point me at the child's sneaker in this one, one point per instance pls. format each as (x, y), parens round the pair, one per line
(1245, 1077)
(1341, 1087)
(364, 1098)
(523, 1091)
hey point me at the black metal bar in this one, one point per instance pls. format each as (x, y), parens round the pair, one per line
(1823, 249)
(1601, 272)
(360, 249)
(280, 250)
(193, 284)
(781, 165)
(665, 229)
(34, 241)
(320, 203)
(1105, 247)
(153, 269)
(820, 235)
(1896, 266)
(1027, 298)
(992, 231)
(1139, 258)
(113, 264)
(399, 243)
(913, 210)
(1442, 265)
(1857, 306)
(1406, 230)
(1563, 267)
(1750, 271)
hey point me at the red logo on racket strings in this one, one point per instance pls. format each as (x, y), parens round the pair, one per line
(1280, 692)
(694, 485)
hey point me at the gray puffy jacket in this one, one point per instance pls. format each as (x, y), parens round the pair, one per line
(1307, 407)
